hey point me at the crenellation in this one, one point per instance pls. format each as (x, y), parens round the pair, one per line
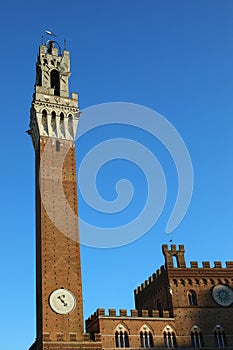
(166, 314)
(173, 247)
(151, 279)
(229, 264)
(144, 313)
(205, 264)
(194, 264)
(217, 264)
(112, 312)
(134, 313)
(100, 312)
(123, 312)
(155, 313)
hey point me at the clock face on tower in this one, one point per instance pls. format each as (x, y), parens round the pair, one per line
(62, 301)
(223, 295)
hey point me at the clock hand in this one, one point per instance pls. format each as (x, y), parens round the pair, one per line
(63, 302)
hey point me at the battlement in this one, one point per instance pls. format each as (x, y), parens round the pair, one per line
(151, 280)
(181, 264)
(174, 258)
(207, 265)
(99, 313)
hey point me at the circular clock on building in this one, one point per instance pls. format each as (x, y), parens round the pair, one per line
(223, 295)
(62, 301)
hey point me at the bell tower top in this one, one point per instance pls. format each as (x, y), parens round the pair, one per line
(54, 113)
(52, 70)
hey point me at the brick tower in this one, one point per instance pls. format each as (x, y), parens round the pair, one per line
(53, 123)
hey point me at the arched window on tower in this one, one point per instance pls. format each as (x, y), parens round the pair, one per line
(55, 81)
(197, 337)
(192, 298)
(45, 121)
(169, 338)
(53, 122)
(146, 338)
(219, 337)
(38, 74)
(62, 125)
(121, 337)
(70, 126)
(175, 261)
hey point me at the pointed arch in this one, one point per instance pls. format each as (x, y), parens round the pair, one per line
(197, 337)
(70, 125)
(121, 337)
(53, 122)
(45, 121)
(62, 124)
(169, 337)
(219, 337)
(146, 337)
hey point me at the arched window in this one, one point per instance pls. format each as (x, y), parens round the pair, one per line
(175, 261)
(53, 122)
(62, 125)
(146, 338)
(45, 121)
(192, 298)
(70, 125)
(55, 82)
(169, 338)
(219, 337)
(121, 337)
(38, 75)
(197, 337)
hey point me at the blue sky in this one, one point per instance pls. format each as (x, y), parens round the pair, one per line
(174, 57)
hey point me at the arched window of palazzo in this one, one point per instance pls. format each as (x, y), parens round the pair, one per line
(169, 338)
(219, 337)
(146, 337)
(121, 337)
(197, 337)
(192, 296)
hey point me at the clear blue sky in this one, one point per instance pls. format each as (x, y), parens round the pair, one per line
(175, 57)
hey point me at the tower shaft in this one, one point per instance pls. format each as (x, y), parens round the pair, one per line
(53, 123)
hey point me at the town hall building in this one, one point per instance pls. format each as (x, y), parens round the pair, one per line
(179, 306)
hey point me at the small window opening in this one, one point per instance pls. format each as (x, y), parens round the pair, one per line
(175, 261)
(70, 126)
(38, 75)
(57, 146)
(62, 125)
(53, 122)
(55, 81)
(192, 298)
(45, 121)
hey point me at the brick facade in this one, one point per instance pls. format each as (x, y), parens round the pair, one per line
(176, 300)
